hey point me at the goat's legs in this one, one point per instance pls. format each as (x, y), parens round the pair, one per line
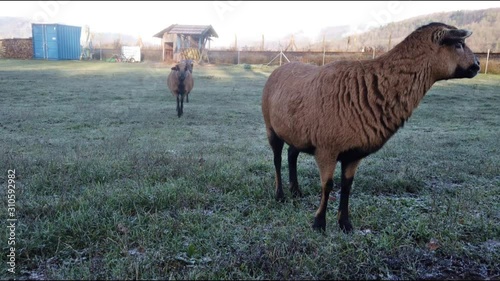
(326, 164)
(277, 147)
(293, 154)
(348, 170)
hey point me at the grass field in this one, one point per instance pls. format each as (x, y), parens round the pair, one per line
(111, 184)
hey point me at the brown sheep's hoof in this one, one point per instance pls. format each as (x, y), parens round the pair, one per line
(346, 226)
(296, 193)
(319, 224)
(280, 196)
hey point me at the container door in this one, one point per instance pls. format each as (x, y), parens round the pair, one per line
(68, 42)
(38, 42)
(51, 35)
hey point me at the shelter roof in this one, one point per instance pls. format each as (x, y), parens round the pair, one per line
(204, 30)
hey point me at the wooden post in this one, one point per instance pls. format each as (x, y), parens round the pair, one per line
(389, 45)
(373, 53)
(281, 54)
(235, 42)
(487, 60)
(324, 49)
(178, 42)
(163, 48)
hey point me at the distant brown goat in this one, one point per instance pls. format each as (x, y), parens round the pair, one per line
(346, 110)
(180, 82)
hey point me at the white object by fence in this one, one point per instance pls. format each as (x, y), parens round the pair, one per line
(132, 52)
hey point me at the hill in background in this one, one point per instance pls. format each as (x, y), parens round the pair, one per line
(485, 25)
(11, 27)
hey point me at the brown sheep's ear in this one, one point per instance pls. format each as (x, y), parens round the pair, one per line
(450, 36)
(175, 68)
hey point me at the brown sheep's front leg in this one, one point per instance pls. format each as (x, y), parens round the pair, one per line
(293, 154)
(179, 108)
(326, 164)
(347, 177)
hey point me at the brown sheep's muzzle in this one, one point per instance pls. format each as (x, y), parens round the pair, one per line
(474, 69)
(469, 72)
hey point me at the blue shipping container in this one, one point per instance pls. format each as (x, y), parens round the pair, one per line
(56, 41)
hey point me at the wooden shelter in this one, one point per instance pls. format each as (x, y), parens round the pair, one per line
(185, 41)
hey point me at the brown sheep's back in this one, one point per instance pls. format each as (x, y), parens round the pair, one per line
(307, 106)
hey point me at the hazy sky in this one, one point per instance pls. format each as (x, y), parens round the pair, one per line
(248, 20)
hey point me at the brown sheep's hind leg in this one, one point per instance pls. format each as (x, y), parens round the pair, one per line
(326, 164)
(293, 154)
(277, 147)
(347, 177)
(182, 104)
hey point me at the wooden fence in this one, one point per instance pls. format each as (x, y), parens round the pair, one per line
(23, 49)
(274, 58)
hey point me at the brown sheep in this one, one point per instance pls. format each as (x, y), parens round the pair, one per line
(346, 110)
(180, 82)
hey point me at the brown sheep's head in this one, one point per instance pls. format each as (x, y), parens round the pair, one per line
(181, 70)
(190, 65)
(452, 57)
